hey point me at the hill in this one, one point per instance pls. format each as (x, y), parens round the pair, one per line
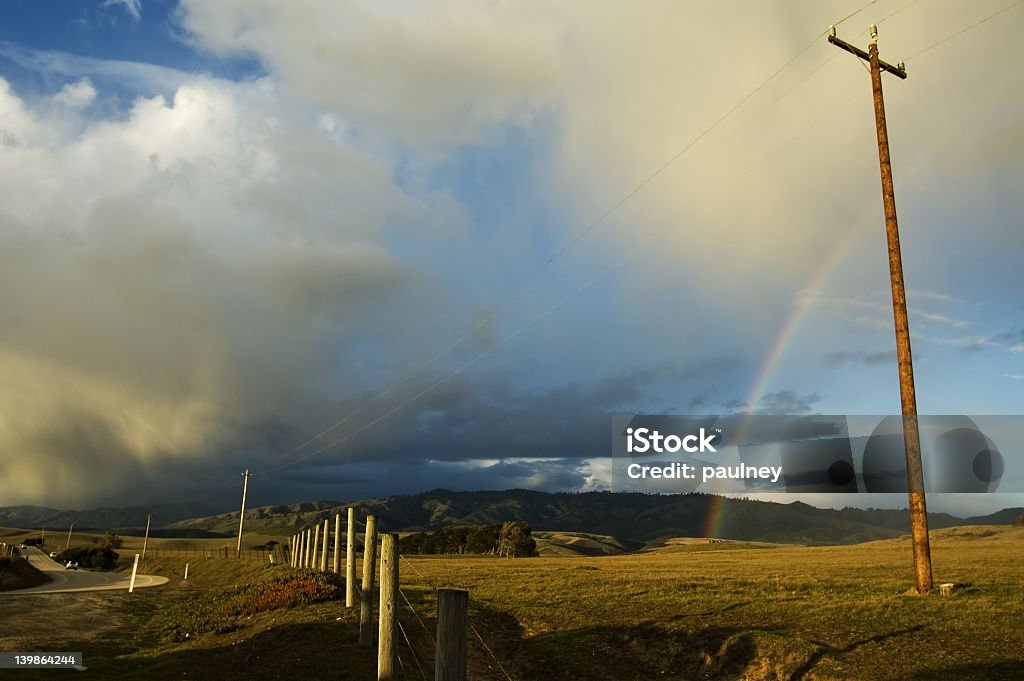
(101, 518)
(630, 518)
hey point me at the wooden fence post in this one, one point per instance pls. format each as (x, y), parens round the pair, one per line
(366, 595)
(350, 560)
(323, 554)
(452, 635)
(337, 544)
(387, 650)
(316, 543)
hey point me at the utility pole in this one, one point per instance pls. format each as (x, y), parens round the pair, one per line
(68, 543)
(145, 542)
(241, 517)
(908, 397)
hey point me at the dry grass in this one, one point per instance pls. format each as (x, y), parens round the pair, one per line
(687, 609)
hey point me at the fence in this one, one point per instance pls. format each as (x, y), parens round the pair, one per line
(396, 652)
(276, 554)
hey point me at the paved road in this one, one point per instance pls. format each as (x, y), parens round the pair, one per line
(68, 581)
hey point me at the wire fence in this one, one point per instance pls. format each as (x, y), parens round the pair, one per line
(417, 642)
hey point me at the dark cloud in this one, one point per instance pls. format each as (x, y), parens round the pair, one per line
(843, 357)
(786, 402)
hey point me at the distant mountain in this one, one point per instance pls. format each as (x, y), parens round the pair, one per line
(631, 518)
(101, 518)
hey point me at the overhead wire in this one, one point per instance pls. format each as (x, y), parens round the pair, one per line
(966, 29)
(531, 280)
(578, 237)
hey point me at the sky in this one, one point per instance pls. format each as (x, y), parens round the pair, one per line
(370, 248)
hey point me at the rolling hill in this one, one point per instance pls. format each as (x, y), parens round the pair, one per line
(630, 518)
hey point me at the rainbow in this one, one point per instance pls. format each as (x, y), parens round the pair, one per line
(797, 313)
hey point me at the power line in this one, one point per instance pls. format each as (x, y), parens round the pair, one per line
(450, 375)
(966, 29)
(531, 280)
(853, 14)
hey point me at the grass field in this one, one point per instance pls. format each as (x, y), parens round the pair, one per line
(686, 609)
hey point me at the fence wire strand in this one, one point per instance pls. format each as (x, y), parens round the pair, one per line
(408, 643)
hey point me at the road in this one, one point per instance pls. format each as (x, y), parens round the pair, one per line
(70, 581)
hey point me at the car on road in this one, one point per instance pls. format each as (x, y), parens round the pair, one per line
(72, 565)
(53, 554)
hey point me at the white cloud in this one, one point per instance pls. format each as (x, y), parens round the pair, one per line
(174, 278)
(76, 95)
(424, 73)
(147, 79)
(133, 7)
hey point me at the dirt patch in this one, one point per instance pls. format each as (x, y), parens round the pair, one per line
(40, 621)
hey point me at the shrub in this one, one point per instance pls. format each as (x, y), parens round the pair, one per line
(221, 611)
(99, 557)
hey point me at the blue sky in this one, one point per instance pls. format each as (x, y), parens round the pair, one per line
(228, 226)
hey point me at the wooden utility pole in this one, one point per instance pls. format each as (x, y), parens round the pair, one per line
(908, 397)
(145, 542)
(68, 543)
(241, 516)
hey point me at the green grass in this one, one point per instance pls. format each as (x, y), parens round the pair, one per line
(227, 609)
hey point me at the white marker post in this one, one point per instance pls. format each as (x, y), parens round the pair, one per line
(186, 572)
(135, 568)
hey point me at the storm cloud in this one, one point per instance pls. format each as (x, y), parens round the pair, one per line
(467, 235)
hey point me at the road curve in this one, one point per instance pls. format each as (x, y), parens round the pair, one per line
(70, 581)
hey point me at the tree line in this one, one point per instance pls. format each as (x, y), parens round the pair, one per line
(512, 539)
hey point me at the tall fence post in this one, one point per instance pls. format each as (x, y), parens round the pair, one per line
(305, 548)
(337, 544)
(323, 554)
(350, 560)
(366, 595)
(387, 651)
(452, 635)
(309, 542)
(316, 545)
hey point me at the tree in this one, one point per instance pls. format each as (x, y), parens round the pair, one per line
(516, 540)
(482, 538)
(110, 541)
